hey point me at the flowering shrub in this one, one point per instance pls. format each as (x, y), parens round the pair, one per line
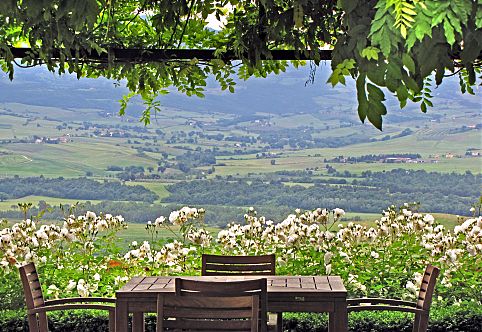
(81, 258)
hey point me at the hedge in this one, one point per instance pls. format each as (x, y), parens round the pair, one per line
(464, 318)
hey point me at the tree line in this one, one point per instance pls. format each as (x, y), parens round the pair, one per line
(437, 192)
(80, 188)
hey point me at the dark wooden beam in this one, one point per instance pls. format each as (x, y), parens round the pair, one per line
(156, 55)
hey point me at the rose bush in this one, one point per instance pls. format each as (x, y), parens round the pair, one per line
(82, 257)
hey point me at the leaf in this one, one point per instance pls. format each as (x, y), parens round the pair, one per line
(375, 92)
(394, 70)
(298, 15)
(361, 96)
(408, 62)
(410, 83)
(402, 93)
(403, 31)
(375, 118)
(449, 32)
(408, 10)
(423, 107)
(385, 44)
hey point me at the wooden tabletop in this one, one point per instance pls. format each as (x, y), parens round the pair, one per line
(284, 293)
(331, 286)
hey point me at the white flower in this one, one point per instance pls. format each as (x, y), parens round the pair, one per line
(53, 291)
(327, 257)
(374, 254)
(411, 287)
(97, 277)
(90, 215)
(71, 286)
(173, 216)
(428, 218)
(159, 221)
(337, 213)
(329, 235)
(82, 288)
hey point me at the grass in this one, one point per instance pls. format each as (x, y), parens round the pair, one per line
(158, 187)
(53, 201)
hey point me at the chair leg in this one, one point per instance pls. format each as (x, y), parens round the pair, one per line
(112, 321)
(416, 323)
(423, 325)
(43, 322)
(33, 323)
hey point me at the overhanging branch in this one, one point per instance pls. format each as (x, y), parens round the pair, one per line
(159, 55)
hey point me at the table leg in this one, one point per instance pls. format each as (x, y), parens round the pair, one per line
(338, 320)
(279, 323)
(121, 316)
(138, 322)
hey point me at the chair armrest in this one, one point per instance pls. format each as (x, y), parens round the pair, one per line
(378, 307)
(70, 307)
(79, 300)
(391, 302)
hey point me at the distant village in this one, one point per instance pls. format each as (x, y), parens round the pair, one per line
(404, 158)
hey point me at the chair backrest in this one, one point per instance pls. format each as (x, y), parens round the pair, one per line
(33, 297)
(181, 313)
(238, 265)
(186, 287)
(31, 286)
(427, 287)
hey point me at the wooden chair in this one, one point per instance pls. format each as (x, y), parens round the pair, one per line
(37, 307)
(420, 308)
(181, 313)
(186, 287)
(216, 265)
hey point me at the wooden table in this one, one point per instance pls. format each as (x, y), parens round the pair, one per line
(285, 294)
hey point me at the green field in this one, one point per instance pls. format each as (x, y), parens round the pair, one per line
(52, 201)
(158, 187)
(87, 152)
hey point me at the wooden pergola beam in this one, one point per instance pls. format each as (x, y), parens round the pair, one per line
(159, 55)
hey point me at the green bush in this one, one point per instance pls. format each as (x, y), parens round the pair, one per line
(464, 318)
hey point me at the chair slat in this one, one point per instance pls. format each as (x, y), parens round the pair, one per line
(207, 313)
(239, 259)
(213, 288)
(236, 267)
(186, 287)
(222, 265)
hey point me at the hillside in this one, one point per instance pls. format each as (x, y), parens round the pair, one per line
(274, 143)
